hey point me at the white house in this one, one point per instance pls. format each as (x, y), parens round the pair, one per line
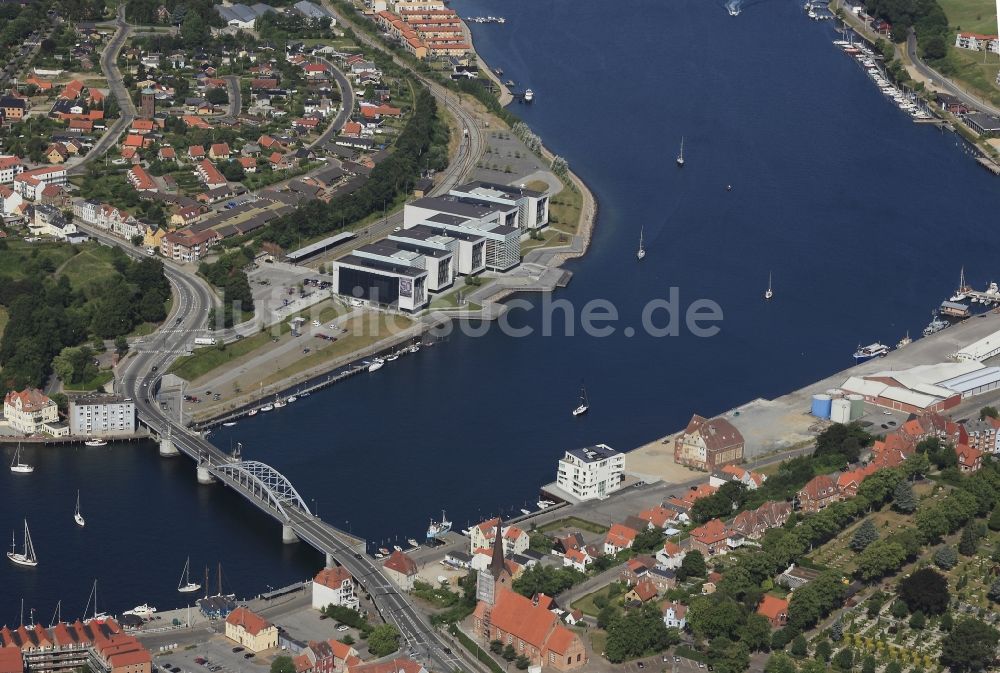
(334, 586)
(515, 540)
(10, 202)
(578, 559)
(977, 42)
(102, 416)
(49, 221)
(674, 615)
(592, 472)
(671, 556)
(29, 411)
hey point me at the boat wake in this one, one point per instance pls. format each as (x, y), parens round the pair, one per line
(734, 7)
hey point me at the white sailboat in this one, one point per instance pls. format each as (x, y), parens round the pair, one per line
(680, 157)
(584, 403)
(77, 516)
(642, 251)
(768, 293)
(17, 467)
(185, 585)
(27, 556)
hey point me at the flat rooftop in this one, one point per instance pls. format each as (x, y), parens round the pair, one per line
(495, 190)
(426, 232)
(593, 454)
(387, 268)
(320, 246)
(459, 205)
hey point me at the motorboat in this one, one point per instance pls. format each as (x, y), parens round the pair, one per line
(874, 350)
(17, 467)
(252, 412)
(376, 364)
(229, 424)
(143, 611)
(383, 551)
(279, 403)
(415, 348)
(680, 157)
(544, 504)
(529, 95)
(641, 252)
(26, 557)
(525, 512)
(905, 341)
(291, 398)
(413, 543)
(96, 441)
(77, 516)
(267, 407)
(392, 357)
(397, 547)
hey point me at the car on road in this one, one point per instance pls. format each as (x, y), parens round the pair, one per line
(886, 412)
(200, 660)
(248, 655)
(397, 229)
(237, 649)
(315, 323)
(342, 628)
(155, 368)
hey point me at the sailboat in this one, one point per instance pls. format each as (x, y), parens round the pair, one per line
(905, 341)
(768, 293)
(642, 251)
(584, 403)
(26, 557)
(680, 157)
(185, 585)
(17, 467)
(77, 516)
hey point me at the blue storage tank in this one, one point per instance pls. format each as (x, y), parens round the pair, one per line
(821, 403)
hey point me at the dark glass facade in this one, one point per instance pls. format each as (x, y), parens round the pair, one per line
(367, 285)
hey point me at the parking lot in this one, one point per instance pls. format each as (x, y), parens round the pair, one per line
(275, 288)
(218, 657)
(663, 663)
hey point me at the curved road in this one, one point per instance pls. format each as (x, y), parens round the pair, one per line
(235, 95)
(346, 108)
(943, 82)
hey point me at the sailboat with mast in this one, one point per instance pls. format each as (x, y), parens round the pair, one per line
(584, 403)
(680, 157)
(185, 585)
(17, 467)
(76, 515)
(26, 557)
(642, 250)
(963, 290)
(768, 293)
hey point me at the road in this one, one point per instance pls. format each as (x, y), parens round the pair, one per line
(235, 95)
(346, 109)
(942, 82)
(109, 66)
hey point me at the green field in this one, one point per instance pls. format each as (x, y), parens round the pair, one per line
(573, 522)
(971, 16)
(92, 263)
(18, 256)
(4, 317)
(208, 358)
(969, 68)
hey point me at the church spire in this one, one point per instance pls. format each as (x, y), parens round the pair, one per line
(497, 564)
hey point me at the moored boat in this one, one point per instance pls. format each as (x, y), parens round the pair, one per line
(26, 557)
(96, 441)
(438, 528)
(874, 350)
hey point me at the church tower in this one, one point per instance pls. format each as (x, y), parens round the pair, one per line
(491, 581)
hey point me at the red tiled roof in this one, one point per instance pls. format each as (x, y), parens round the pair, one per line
(250, 621)
(333, 577)
(711, 532)
(401, 563)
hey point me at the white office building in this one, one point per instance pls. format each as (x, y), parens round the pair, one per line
(102, 416)
(593, 472)
(437, 263)
(468, 250)
(496, 222)
(392, 284)
(532, 207)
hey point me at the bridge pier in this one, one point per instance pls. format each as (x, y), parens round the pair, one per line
(204, 476)
(330, 563)
(288, 535)
(167, 448)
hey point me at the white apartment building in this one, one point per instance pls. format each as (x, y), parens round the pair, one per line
(494, 221)
(10, 167)
(102, 416)
(334, 586)
(977, 42)
(532, 206)
(29, 411)
(592, 472)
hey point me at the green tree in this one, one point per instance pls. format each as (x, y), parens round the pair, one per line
(121, 344)
(779, 663)
(868, 664)
(970, 646)
(994, 520)
(756, 633)
(824, 650)
(893, 667)
(946, 623)
(969, 542)
(879, 559)
(799, 646)
(988, 412)
(844, 659)
(898, 609)
(508, 652)
(916, 465)
(945, 557)
(217, 96)
(637, 633)
(383, 640)
(837, 631)
(918, 621)
(496, 646)
(994, 592)
(693, 565)
(522, 662)
(282, 664)
(865, 534)
(710, 617)
(925, 590)
(903, 498)
(194, 31)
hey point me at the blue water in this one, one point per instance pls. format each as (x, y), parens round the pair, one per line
(864, 218)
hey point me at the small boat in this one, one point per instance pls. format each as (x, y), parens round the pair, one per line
(305, 394)
(383, 551)
(229, 424)
(27, 556)
(529, 95)
(935, 326)
(413, 543)
(438, 528)
(143, 611)
(584, 403)
(874, 350)
(397, 547)
(544, 504)
(376, 364)
(680, 157)
(77, 516)
(525, 511)
(291, 398)
(266, 408)
(905, 341)
(278, 402)
(96, 441)
(729, 188)
(252, 412)
(642, 251)
(392, 357)
(415, 348)
(17, 467)
(185, 585)
(768, 293)
(379, 555)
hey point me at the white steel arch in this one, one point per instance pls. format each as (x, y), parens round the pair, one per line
(264, 483)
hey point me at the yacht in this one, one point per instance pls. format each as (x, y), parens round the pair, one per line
(17, 467)
(874, 350)
(252, 412)
(143, 611)
(376, 364)
(768, 293)
(529, 95)
(96, 441)
(680, 157)
(27, 556)
(438, 528)
(77, 516)
(584, 403)
(642, 251)
(185, 585)
(267, 407)
(413, 543)
(544, 504)
(905, 341)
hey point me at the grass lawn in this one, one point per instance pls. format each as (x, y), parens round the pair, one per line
(450, 300)
(93, 263)
(564, 207)
(971, 16)
(598, 640)
(4, 318)
(837, 553)
(95, 383)
(208, 358)
(969, 68)
(574, 522)
(18, 254)
(586, 604)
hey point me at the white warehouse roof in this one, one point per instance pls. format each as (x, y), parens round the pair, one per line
(986, 347)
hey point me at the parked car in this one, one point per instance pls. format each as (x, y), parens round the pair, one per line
(237, 649)
(343, 627)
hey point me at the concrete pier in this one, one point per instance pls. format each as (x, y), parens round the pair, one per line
(167, 448)
(288, 536)
(204, 476)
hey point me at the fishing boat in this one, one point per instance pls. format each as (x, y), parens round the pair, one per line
(768, 293)
(17, 467)
(96, 441)
(641, 252)
(905, 341)
(266, 408)
(376, 364)
(874, 350)
(278, 402)
(529, 95)
(413, 543)
(26, 557)
(438, 528)
(680, 157)
(185, 585)
(584, 403)
(77, 516)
